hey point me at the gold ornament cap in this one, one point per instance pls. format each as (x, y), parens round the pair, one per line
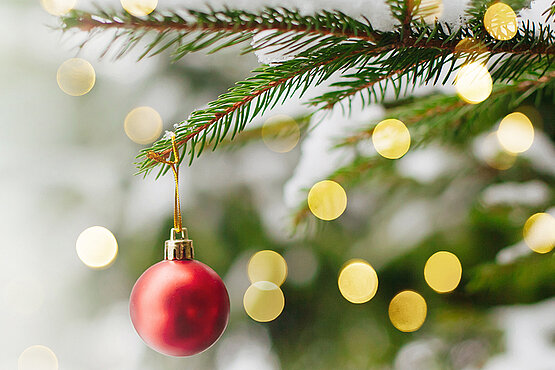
(179, 247)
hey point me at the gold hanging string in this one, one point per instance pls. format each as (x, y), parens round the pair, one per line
(174, 164)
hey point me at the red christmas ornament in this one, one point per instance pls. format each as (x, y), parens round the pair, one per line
(179, 306)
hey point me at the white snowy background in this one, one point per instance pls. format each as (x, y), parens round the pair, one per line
(66, 164)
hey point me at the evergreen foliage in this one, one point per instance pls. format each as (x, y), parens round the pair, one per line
(369, 62)
(376, 66)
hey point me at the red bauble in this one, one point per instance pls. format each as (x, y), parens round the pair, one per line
(180, 307)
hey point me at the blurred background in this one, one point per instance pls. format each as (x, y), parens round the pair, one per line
(67, 164)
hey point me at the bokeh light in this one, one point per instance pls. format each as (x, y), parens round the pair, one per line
(391, 138)
(143, 125)
(263, 301)
(58, 7)
(429, 10)
(327, 200)
(76, 77)
(37, 358)
(407, 311)
(97, 247)
(473, 83)
(443, 272)
(358, 281)
(515, 133)
(539, 232)
(281, 133)
(267, 265)
(139, 8)
(500, 21)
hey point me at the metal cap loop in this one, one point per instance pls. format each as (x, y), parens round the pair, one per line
(179, 247)
(174, 234)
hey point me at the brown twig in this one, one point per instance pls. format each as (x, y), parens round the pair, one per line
(87, 23)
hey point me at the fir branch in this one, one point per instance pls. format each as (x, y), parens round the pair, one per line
(401, 10)
(412, 54)
(417, 60)
(421, 60)
(271, 84)
(490, 282)
(549, 12)
(440, 118)
(437, 111)
(255, 134)
(215, 30)
(391, 69)
(477, 8)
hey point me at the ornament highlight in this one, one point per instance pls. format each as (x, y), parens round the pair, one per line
(391, 138)
(500, 22)
(327, 200)
(407, 311)
(358, 281)
(443, 272)
(179, 306)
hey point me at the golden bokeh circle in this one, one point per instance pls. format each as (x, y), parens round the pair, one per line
(539, 232)
(267, 265)
(143, 125)
(97, 247)
(139, 8)
(327, 200)
(358, 281)
(443, 272)
(473, 82)
(516, 133)
(391, 138)
(500, 21)
(76, 77)
(263, 301)
(281, 133)
(37, 358)
(58, 7)
(407, 311)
